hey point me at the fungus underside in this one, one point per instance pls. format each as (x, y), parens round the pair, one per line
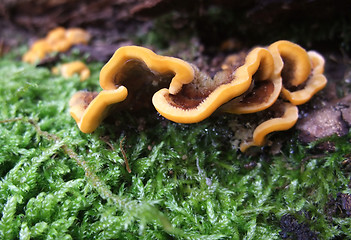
(141, 83)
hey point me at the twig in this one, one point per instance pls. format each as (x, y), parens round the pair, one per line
(106, 140)
(124, 154)
(11, 120)
(304, 160)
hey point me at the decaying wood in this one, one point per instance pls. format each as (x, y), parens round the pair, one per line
(332, 119)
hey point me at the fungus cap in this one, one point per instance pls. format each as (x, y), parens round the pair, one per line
(183, 72)
(57, 40)
(89, 108)
(55, 35)
(77, 36)
(291, 61)
(37, 51)
(315, 82)
(285, 122)
(264, 91)
(89, 114)
(69, 69)
(234, 83)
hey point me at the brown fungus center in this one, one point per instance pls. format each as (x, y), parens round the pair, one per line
(260, 93)
(191, 95)
(83, 99)
(288, 71)
(141, 83)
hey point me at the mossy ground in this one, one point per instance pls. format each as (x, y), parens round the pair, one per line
(187, 182)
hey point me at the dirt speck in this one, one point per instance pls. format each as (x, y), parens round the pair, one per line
(339, 207)
(292, 229)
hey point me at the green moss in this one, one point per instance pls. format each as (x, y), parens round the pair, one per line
(186, 181)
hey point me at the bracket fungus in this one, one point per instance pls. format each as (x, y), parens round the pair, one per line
(286, 115)
(128, 76)
(57, 40)
(297, 76)
(201, 97)
(69, 69)
(302, 71)
(265, 87)
(89, 108)
(247, 84)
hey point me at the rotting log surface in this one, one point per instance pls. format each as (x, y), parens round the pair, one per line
(214, 21)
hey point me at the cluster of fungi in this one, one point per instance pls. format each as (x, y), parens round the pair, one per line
(57, 40)
(273, 79)
(60, 40)
(270, 80)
